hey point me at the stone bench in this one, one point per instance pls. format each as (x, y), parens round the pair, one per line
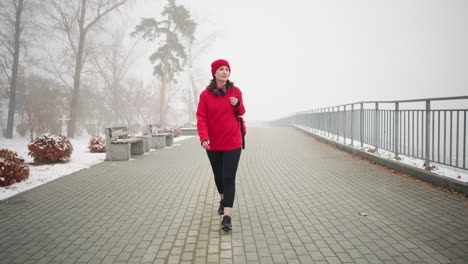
(169, 138)
(119, 146)
(160, 140)
(146, 142)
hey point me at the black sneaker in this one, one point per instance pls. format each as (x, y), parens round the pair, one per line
(221, 207)
(226, 223)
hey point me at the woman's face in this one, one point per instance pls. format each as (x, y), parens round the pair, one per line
(222, 73)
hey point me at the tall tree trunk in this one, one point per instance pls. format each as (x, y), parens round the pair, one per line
(190, 99)
(162, 109)
(190, 86)
(14, 73)
(194, 101)
(192, 90)
(77, 75)
(116, 87)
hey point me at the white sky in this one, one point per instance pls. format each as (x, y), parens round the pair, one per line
(289, 56)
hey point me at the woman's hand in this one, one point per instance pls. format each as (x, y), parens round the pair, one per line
(233, 100)
(206, 144)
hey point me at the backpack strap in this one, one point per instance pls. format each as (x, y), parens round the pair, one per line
(241, 120)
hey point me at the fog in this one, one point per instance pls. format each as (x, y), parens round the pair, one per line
(288, 56)
(285, 56)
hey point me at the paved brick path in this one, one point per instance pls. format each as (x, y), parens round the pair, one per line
(298, 201)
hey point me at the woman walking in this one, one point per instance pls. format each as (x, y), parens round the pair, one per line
(219, 130)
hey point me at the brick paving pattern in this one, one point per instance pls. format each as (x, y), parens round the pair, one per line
(297, 201)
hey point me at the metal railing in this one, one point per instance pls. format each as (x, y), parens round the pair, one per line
(432, 129)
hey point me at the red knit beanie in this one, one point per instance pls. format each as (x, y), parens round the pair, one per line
(218, 63)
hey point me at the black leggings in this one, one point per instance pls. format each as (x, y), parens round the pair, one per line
(224, 165)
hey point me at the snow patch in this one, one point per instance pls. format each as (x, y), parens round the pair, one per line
(81, 158)
(440, 169)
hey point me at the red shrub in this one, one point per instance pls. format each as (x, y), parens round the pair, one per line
(12, 168)
(97, 145)
(174, 131)
(113, 139)
(50, 148)
(191, 124)
(177, 132)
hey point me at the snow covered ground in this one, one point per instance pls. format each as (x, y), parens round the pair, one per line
(451, 172)
(81, 158)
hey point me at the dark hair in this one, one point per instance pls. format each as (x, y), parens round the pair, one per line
(213, 85)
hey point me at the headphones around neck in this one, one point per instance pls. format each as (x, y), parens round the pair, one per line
(223, 91)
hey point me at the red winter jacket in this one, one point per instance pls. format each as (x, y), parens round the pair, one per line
(217, 120)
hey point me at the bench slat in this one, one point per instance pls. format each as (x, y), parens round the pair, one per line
(120, 133)
(126, 140)
(117, 131)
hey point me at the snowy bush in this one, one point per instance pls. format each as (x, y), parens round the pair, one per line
(97, 144)
(190, 124)
(50, 148)
(174, 131)
(12, 168)
(113, 139)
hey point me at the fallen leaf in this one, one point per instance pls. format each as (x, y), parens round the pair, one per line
(459, 177)
(418, 181)
(363, 213)
(466, 204)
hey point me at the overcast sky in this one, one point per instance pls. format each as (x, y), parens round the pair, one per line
(289, 56)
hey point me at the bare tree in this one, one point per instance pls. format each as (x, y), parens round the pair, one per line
(11, 15)
(113, 64)
(76, 19)
(136, 102)
(42, 102)
(93, 108)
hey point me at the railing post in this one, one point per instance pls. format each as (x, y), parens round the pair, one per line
(344, 124)
(376, 126)
(324, 123)
(397, 128)
(321, 120)
(309, 117)
(428, 133)
(361, 125)
(352, 124)
(332, 122)
(325, 120)
(338, 124)
(315, 120)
